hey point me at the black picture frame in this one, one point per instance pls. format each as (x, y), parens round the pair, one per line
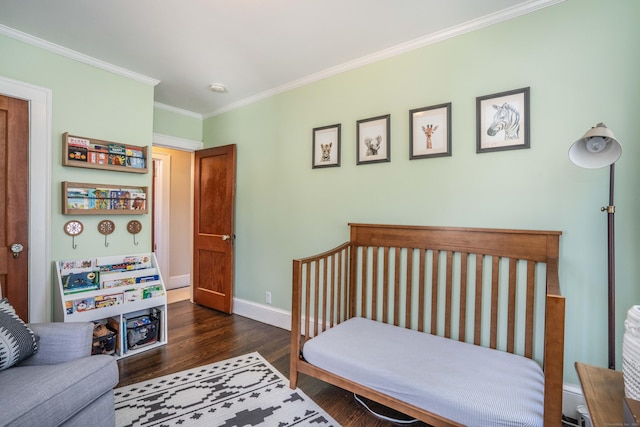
(326, 147)
(502, 121)
(430, 132)
(373, 143)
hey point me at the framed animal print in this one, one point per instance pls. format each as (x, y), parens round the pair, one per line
(373, 140)
(503, 121)
(326, 147)
(430, 132)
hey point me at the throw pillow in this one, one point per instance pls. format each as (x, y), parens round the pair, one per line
(17, 341)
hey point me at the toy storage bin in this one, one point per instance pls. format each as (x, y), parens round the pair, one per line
(142, 331)
(105, 344)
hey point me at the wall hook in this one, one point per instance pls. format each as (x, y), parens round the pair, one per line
(134, 226)
(73, 228)
(106, 227)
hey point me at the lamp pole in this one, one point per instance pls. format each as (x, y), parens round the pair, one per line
(598, 148)
(611, 210)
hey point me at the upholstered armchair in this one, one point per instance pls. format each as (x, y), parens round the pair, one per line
(61, 384)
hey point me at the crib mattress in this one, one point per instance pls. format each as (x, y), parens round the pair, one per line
(470, 384)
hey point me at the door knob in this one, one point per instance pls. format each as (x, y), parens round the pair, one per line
(16, 248)
(226, 237)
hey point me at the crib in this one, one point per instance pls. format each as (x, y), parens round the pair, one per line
(479, 288)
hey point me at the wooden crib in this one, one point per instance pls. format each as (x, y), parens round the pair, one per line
(495, 288)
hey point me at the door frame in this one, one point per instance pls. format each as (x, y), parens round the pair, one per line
(40, 141)
(190, 146)
(162, 210)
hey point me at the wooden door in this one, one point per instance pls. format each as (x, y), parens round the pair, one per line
(213, 227)
(14, 209)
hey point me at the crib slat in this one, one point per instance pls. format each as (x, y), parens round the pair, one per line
(434, 292)
(307, 304)
(353, 279)
(385, 287)
(421, 302)
(463, 297)
(363, 291)
(511, 314)
(374, 286)
(448, 297)
(317, 299)
(495, 274)
(409, 289)
(332, 290)
(531, 277)
(478, 309)
(325, 292)
(396, 288)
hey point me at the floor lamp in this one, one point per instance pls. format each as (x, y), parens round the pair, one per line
(596, 149)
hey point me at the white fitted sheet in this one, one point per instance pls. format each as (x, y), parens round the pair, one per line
(470, 384)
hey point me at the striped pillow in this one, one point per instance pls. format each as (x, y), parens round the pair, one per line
(17, 341)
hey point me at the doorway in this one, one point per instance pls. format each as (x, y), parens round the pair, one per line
(39, 196)
(173, 218)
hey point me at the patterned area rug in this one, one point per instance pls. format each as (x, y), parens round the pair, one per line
(243, 391)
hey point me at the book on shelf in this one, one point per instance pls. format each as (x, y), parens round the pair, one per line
(107, 284)
(74, 141)
(126, 263)
(99, 198)
(97, 158)
(77, 198)
(136, 162)
(117, 159)
(75, 264)
(84, 304)
(109, 300)
(120, 199)
(81, 282)
(138, 200)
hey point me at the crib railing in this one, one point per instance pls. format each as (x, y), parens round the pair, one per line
(491, 287)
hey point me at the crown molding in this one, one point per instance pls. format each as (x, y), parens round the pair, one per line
(469, 26)
(77, 56)
(177, 110)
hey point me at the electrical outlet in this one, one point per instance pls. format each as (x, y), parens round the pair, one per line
(267, 297)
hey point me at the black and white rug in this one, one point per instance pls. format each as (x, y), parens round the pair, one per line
(243, 391)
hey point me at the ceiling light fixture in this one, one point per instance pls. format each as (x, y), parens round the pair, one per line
(218, 87)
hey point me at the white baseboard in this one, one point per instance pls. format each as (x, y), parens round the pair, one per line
(179, 281)
(572, 397)
(571, 394)
(262, 313)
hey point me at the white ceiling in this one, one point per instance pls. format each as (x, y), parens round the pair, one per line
(255, 48)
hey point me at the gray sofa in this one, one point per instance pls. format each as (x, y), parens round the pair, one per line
(61, 384)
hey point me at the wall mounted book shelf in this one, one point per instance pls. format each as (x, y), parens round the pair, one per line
(91, 153)
(103, 199)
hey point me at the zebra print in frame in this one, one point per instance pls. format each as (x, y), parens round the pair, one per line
(502, 121)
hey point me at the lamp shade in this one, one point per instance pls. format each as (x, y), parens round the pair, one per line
(596, 149)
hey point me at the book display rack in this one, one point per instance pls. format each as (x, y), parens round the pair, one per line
(124, 296)
(99, 199)
(79, 151)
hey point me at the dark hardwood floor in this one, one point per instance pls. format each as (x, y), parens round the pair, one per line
(198, 336)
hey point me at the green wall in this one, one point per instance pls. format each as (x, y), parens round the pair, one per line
(581, 70)
(177, 124)
(90, 102)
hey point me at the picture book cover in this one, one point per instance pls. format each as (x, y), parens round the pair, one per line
(117, 159)
(83, 304)
(86, 280)
(138, 200)
(120, 199)
(99, 198)
(77, 198)
(77, 153)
